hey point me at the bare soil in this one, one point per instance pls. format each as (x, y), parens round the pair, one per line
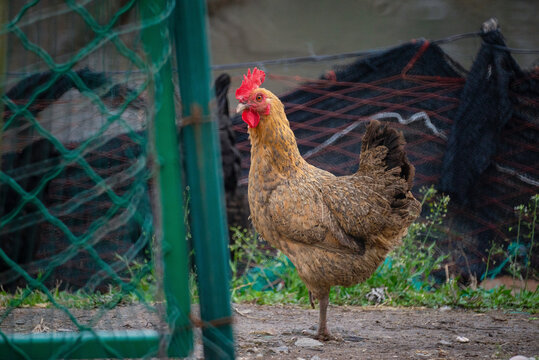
(282, 331)
(386, 333)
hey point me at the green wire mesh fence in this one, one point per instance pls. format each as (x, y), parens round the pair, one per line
(93, 259)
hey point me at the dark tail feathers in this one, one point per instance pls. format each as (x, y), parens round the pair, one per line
(378, 134)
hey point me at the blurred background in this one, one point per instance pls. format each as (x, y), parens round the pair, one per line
(52, 33)
(244, 30)
(81, 88)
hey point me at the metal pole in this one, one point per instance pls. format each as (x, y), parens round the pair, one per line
(80, 345)
(172, 230)
(204, 177)
(4, 8)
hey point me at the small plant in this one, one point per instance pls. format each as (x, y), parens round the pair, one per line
(518, 254)
(493, 251)
(142, 285)
(247, 251)
(534, 201)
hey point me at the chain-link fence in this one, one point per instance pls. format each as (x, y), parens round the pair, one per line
(93, 252)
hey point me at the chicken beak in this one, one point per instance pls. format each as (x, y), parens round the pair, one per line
(241, 107)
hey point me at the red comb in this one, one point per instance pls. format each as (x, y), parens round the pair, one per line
(250, 82)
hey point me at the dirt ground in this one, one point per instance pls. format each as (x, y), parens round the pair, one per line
(386, 333)
(282, 332)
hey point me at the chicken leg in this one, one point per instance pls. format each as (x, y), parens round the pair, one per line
(323, 332)
(323, 301)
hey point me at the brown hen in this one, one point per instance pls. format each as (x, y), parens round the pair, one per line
(336, 230)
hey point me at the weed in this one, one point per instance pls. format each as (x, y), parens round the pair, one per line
(518, 255)
(533, 205)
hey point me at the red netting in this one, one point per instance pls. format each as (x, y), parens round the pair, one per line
(473, 135)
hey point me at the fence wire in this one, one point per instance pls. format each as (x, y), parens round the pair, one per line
(76, 200)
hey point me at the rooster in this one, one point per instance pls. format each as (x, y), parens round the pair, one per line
(335, 230)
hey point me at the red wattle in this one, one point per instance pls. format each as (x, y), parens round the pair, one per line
(252, 118)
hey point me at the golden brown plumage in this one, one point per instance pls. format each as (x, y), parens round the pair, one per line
(336, 230)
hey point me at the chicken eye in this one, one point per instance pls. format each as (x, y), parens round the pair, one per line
(259, 97)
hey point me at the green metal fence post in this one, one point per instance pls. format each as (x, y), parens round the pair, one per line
(204, 176)
(3, 66)
(173, 232)
(80, 345)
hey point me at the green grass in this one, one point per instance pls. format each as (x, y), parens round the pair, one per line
(77, 299)
(404, 279)
(262, 275)
(142, 287)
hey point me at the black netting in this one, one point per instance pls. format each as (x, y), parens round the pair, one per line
(473, 135)
(71, 193)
